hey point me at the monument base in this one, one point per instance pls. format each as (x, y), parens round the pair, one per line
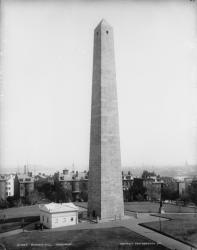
(116, 218)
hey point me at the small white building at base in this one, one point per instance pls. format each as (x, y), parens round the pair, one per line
(54, 215)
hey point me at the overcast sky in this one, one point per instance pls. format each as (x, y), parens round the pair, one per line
(47, 75)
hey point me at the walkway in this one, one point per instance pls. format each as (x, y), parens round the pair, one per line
(160, 238)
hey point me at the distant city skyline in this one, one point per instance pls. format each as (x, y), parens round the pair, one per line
(47, 57)
(136, 170)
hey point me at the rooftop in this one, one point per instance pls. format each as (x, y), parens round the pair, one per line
(58, 207)
(23, 178)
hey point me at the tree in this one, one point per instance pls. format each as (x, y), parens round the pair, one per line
(33, 197)
(54, 191)
(3, 204)
(83, 186)
(169, 192)
(185, 198)
(138, 188)
(12, 201)
(47, 189)
(62, 194)
(193, 192)
(84, 195)
(146, 174)
(153, 192)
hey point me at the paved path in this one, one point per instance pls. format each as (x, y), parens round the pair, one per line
(164, 240)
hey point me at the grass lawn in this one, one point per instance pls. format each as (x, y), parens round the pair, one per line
(17, 212)
(152, 207)
(15, 223)
(149, 207)
(144, 207)
(181, 226)
(110, 238)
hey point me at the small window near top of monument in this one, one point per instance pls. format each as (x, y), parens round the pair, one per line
(107, 31)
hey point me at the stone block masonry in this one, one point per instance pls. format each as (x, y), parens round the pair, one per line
(105, 194)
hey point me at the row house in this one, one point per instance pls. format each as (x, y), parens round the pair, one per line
(10, 185)
(6, 186)
(127, 184)
(23, 185)
(153, 189)
(74, 181)
(2, 187)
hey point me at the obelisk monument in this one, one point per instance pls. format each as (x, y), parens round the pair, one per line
(105, 194)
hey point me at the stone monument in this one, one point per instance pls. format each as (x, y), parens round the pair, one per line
(105, 194)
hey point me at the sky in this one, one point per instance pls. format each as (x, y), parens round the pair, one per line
(47, 56)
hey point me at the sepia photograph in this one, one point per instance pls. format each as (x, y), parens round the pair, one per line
(98, 124)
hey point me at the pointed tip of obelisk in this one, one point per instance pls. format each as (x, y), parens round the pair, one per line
(103, 22)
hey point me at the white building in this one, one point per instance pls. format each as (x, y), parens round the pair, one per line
(55, 215)
(10, 185)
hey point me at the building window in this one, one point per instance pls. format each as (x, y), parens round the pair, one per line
(107, 31)
(97, 33)
(43, 218)
(71, 219)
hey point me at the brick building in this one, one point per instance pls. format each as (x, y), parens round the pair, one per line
(2, 187)
(23, 185)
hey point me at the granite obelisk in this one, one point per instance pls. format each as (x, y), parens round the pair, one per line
(105, 194)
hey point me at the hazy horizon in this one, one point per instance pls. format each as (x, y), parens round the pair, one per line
(135, 170)
(47, 56)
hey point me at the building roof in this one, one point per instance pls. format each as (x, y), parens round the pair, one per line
(58, 207)
(3, 178)
(81, 176)
(6, 176)
(65, 177)
(24, 178)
